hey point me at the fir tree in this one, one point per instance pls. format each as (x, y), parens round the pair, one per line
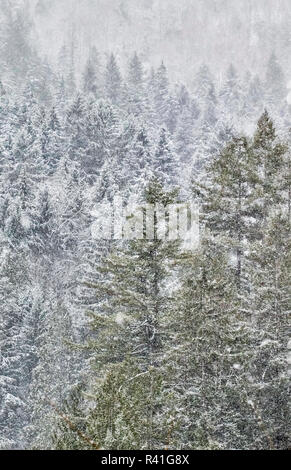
(161, 94)
(227, 201)
(113, 81)
(203, 83)
(91, 79)
(231, 92)
(128, 341)
(275, 82)
(268, 384)
(136, 100)
(270, 156)
(207, 353)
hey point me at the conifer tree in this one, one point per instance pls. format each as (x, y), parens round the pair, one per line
(161, 94)
(207, 354)
(275, 82)
(231, 92)
(255, 95)
(16, 51)
(136, 100)
(16, 356)
(268, 387)
(134, 159)
(69, 423)
(270, 159)
(184, 135)
(203, 83)
(128, 338)
(54, 374)
(227, 199)
(165, 160)
(91, 78)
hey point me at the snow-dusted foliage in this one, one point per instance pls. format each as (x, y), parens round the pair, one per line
(141, 344)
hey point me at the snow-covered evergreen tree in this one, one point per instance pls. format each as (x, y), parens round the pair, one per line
(190, 347)
(275, 83)
(113, 81)
(207, 355)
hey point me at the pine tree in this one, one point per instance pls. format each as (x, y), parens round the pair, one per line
(207, 353)
(255, 96)
(69, 423)
(275, 83)
(161, 94)
(55, 139)
(143, 154)
(17, 355)
(44, 236)
(17, 54)
(231, 92)
(134, 159)
(205, 143)
(203, 83)
(135, 96)
(76, 137)
(54, 373)
(184, 135)
(127, 340)
(271, 158)
(244, 203)
(227, 199)
(269, 262)
(91, 79)
(66, 66)
(165, 160)
(102, 130)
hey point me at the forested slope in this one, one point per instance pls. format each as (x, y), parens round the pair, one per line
(141, 344)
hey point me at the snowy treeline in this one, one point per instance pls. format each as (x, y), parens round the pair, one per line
(141, 345)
